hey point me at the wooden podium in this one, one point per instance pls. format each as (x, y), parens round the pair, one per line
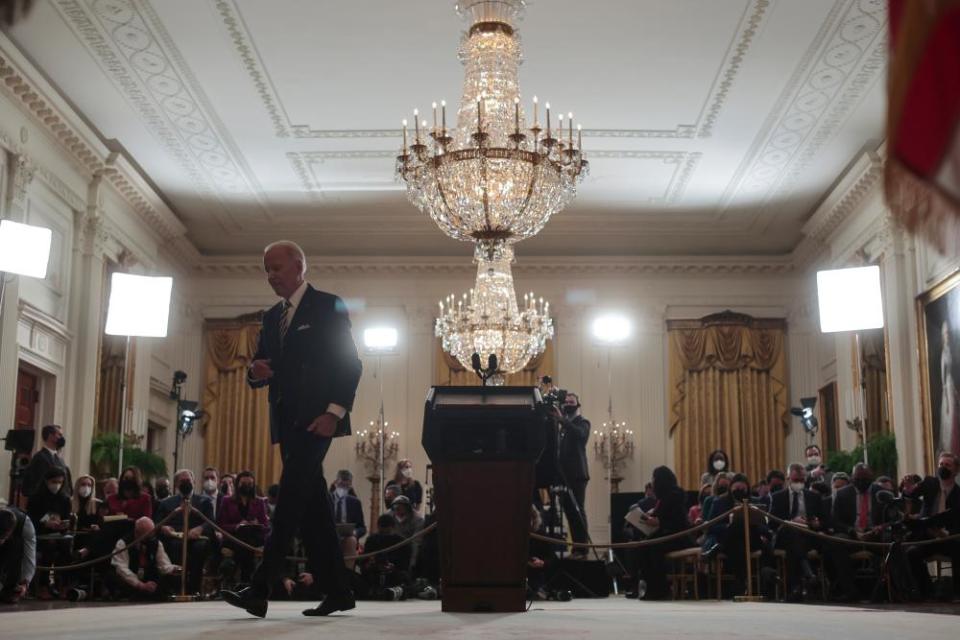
(484, 444)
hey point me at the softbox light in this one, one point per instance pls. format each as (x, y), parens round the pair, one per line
(611, 329)
(380, 339)
(850, 299)
(139, 305)
(24, 249)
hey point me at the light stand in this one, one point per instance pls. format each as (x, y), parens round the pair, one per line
(851, 300)
(139, 306)
(380, 341)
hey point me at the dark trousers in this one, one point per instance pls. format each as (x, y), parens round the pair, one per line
(197, 553)
(797, 545)
(576, 512)
(11, 557)
(917, 559)
(731, 542)
(304, 503)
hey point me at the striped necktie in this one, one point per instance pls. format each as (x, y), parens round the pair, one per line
(284, 320)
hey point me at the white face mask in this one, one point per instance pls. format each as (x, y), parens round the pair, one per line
(209, 486)
(54, 487)
(341, 492)
(407, 472)
(814, 460)
(85, 491)
(719, 464)
(796, 486)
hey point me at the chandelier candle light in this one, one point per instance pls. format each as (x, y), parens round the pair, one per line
(613, 447)
(488, 319)
(492, 180)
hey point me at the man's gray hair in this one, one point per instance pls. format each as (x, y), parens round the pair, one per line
(183, 472)
(344, 474)
(796, 466)
(294, 250)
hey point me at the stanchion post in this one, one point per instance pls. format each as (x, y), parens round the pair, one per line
(745, 508)
(185, 506)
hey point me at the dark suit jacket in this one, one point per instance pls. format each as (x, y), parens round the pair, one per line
(202, 503)
(780, 506)
(950, 517)
(316, 366)
(845, 509)
(36, 472)
(354, 509)
(573, 448)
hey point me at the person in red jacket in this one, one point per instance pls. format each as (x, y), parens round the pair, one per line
(131, 500)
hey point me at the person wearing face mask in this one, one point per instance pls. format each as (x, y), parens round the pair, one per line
(199, 534)
(727, 535)
(575, 474)
(717, 462)
(162, 489)
(243, 515)
(347, 509)
(407, 485)
(816, 469)
(939, 518)
(130, 499)
(88, 510)
(210, 487)
(48, 456)
(49, 510)
(719, 487)
(804, 507)
(142, 570)
(409, 522)
(858, 515)
(18, 554)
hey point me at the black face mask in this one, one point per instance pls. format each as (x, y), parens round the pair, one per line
(570, 409)
(944, 474)
(129, 487)
(246, 490)
(862, 484)
(721, 489)
(163, 492)
(186, 488)
(61, 442)
(775, 487)
(739, 494)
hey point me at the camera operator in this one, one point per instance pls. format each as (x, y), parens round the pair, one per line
(574, 431)
(939, 517)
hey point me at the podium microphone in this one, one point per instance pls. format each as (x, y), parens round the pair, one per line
(475, 361)
(492, 363)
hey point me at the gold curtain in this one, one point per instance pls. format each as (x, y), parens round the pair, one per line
(727, 391)
(237, 433)
(874, 366)
(449, 371)
(113, 351)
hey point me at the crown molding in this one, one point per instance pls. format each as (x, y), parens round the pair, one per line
(36, 97)
(247, 266)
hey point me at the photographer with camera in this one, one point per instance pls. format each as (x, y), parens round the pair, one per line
(574, 430)
(939, 518)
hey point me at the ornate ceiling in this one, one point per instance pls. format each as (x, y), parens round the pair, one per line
(713, 127)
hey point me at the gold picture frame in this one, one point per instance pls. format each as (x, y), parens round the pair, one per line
(938, 307)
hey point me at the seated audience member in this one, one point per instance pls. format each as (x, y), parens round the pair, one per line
(110, 488)
(408, 522)
(760, 491)
(939, 518)
(142, 568)
(47, 457)
(729, 536)
(816, 470)
(385, 574)
(406, 484)
(389, 495)
(885, 483)
(87, 509)
(161, 490)
(347, 509)
(273, 492)
(776, 481)
(857, 515)
(839, 481)
(717, 462)
(228, 485)
(18, 554)
(198, 534)
(695, 513)
(668, 516)
(721, 485)
(911, 490)
(210, 488)
(243, 515)
(542, 558)
(804, 507)
(130, 499)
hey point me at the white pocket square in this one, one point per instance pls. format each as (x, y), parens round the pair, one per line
(302, 327)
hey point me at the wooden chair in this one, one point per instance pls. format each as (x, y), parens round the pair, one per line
(686, 566)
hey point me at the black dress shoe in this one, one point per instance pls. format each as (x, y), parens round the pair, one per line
(247, 600)
(331, 604)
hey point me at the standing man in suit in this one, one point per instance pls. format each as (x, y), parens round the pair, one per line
(800, 505)
(574, 431)
(307, 358)
(46, 458)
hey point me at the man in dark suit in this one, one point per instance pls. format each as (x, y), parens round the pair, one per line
(199, 534)
(574, 432)
(795, 503)
(307, 358)
(858, 515)
(939, 517)
(46, 458)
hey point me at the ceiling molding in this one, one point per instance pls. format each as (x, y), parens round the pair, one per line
(253, 266)
(240, 35)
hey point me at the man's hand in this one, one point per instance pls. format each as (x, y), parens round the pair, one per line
(194, 534)
(148, 587)
(325, 425)
(20, 590)
(536, 563)
(168, 531)
(260, 370)
(306, 579)
(288, 586)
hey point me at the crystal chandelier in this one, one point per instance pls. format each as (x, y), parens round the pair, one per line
(488, 320)
(491, 180)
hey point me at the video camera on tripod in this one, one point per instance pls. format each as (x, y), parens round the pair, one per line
(555, 396)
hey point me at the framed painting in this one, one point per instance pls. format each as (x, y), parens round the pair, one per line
(938, 311)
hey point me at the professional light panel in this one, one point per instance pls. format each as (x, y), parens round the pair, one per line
(850, 299)
(139, 305)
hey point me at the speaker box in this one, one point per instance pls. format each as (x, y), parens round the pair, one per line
(19, 440)
(583, 578)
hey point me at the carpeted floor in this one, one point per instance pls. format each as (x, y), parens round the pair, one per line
(613, 618)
